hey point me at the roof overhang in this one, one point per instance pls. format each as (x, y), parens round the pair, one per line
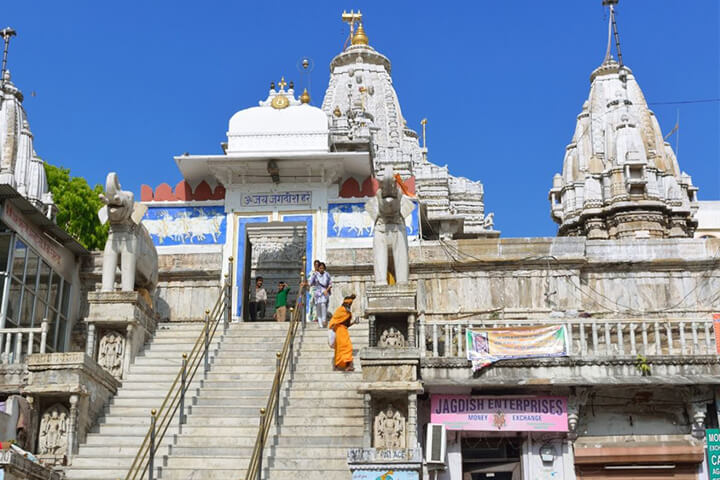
(36, 217)
(320, 166)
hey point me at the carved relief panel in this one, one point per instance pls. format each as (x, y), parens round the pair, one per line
(389, 430)
(54, 429)
(110, 353)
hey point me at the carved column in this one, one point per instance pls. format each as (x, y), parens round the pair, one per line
(90, 346)
(371, 331)
(420, 341)
(72, 428)
(129, 348)
(412, 420)
(367, 421)
(411, 340)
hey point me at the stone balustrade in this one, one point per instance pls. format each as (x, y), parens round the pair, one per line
(12, 340)
(589, 337)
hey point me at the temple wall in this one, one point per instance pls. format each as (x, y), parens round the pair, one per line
(189, 283)
(532, 277)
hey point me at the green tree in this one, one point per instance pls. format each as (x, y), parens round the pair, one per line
(77, 205)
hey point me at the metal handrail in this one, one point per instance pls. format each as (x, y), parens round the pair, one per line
(285, 358)
(175, 399)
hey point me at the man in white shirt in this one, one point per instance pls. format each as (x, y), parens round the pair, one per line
(258, 299)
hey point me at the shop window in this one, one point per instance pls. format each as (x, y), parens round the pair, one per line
(4, 252)
(18, 262)
(26, 313)
(31, 270)
(54, 294)
(13, 304)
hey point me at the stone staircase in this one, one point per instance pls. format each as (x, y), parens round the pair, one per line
(321, 409)
(219, 436)
(322, 414)
(110, 449)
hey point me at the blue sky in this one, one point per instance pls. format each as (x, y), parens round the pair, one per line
(126, 85)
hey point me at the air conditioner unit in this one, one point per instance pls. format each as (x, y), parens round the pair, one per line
(436, 444)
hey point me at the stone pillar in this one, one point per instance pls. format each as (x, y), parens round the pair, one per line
(90, 347)
(72, 428)
(420, 341)
(367, 420)
(412, 439)
(128, 354)
(371, 331)
(411, 339)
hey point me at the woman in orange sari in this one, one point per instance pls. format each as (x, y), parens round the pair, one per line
(339, 323)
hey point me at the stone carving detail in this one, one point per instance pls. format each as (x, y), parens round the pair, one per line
(128, 240)
(390, 428)
(110, 353)
(392, 338)
(54, 427)
(388, 209)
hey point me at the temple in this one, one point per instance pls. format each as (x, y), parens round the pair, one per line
(589, 355)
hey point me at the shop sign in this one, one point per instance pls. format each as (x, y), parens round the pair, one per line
(384, 475)
(500, 413)
(55, 255)
(712, 437)
(716, 328)
(486, 346)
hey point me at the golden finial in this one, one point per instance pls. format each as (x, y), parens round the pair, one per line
(337, 111)
(360, 38)
(305, 97)
(282, 83)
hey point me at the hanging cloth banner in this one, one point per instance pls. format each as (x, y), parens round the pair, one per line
(487, 346)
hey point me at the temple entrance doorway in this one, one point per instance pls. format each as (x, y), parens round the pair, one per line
(492, 458)
(274, 252)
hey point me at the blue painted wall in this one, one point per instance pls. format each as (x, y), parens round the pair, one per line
(169, 226)
(349, 220)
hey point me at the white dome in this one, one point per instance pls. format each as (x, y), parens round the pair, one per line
(267, 129)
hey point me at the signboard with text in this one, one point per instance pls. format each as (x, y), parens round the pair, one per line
(716, 328)
(712, 436)
(486, 346)
(500, 413)
(384, 475)
(59, 259)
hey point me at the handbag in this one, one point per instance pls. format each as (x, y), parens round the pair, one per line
(331, 338)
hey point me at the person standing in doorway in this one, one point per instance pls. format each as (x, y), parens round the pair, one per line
(313, 289)
(323, 283)
(258, 300)
(281, 301)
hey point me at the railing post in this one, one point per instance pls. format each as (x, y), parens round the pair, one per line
(151, 452)
(44, 326)
(292, 360)
(18, 347)
(207, 342)
(262, 443)
(278, 355)
(226, 302)
(30, 339)
(183, 380)
(228, 311)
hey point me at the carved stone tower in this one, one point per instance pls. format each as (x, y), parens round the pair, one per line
(620, 178)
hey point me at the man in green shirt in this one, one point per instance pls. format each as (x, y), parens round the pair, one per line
(281, 302)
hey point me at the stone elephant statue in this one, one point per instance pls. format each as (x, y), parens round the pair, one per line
(389, 208)
(128, 241)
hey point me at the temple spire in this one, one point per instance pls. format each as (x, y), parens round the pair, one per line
(612, 32)
(6, 33)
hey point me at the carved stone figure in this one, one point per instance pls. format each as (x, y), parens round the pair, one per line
(54, 431)
(389, 428)
(388, 209)
(128, 240)
(110, 353)
(392, 338)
